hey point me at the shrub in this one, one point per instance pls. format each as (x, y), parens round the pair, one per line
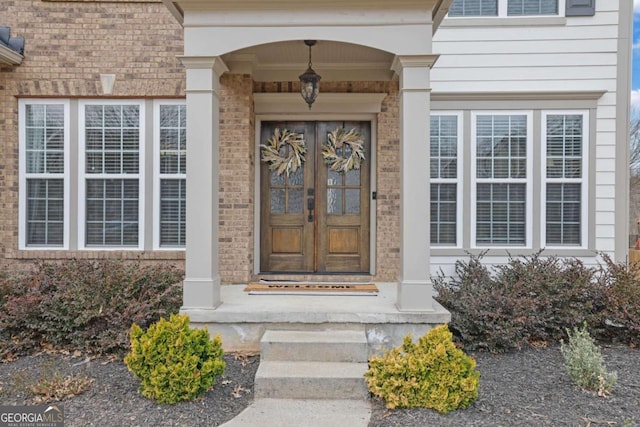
(49, 381)
(432, 374)
(83, 305)
(528, 299)
(619, 319)
(584, 362)
(173, 361)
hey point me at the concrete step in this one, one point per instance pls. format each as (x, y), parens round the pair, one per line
(321, 346)
(311, 380)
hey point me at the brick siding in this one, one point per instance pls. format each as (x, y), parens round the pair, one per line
(69, 44)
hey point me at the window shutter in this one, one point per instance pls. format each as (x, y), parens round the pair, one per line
(580, 8)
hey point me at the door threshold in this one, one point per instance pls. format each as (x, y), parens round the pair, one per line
(323, 277)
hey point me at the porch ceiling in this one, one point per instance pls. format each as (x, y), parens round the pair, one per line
(334, 61)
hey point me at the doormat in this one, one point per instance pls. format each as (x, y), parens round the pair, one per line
(268, 287)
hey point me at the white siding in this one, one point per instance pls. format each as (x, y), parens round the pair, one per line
(564, 54)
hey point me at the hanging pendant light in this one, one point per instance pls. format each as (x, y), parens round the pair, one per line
(309, 80)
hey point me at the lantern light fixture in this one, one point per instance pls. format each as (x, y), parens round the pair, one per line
(309, 80)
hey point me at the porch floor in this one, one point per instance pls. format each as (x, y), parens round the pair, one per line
(241, 319)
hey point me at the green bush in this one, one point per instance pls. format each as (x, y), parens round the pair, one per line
(585, 364)
(173, 361)
(83, 304)
(529, 299)
(432, 374)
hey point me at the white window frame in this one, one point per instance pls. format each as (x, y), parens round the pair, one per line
(584, 191)
(530, 179)
(23, 175)
(83, 176)
(458, 180)
(157, 176)
(502, 12)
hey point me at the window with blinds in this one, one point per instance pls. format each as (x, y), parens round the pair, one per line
(565, 176)
(470, 8)
(112, 184)
(44, 152)
(501, 179)
(444, 179)
(532, 7)
(474, 8)
(112, 173)
(172, 175)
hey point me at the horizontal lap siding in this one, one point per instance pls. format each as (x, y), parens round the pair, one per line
(580, 55)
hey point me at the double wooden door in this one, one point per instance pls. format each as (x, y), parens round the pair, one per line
(315, 220)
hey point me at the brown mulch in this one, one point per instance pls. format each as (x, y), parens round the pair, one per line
(524, 388)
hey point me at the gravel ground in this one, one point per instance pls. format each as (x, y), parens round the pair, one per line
(527, 388)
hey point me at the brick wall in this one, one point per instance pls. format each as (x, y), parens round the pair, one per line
(69, 44)
(236, 178)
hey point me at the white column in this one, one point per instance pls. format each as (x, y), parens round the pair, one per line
(414, 282)
(201, 286)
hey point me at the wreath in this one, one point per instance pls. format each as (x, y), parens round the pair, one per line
(282, 162)
(338, 139)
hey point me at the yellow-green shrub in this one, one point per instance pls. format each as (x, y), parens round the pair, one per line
(173, 361)
(431, 373)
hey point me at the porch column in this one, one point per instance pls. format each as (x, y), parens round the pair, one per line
(201, 286)
(414, 282)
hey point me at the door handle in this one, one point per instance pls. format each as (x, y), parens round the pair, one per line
(310, 207)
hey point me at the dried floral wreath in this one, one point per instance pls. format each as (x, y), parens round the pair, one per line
(338, 139)
(291, 159)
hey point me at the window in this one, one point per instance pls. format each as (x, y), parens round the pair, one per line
(532, 7)
(474, 8)
(501, 170)
(111, 147)
(469, 8)
(171, 163)
(98, 181)
(43, 166)
(564, 173)
(445, 132)
(508, 203)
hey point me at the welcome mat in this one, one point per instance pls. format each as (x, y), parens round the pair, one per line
(269, 287)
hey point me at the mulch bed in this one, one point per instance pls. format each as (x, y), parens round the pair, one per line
(531, 388)
(113, 398)
(525, 388)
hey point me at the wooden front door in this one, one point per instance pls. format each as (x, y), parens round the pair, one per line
(315, 220)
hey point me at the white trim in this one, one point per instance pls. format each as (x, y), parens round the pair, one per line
(23, 175)
(584, 219)
(9, 56)
(82, 175)
(458, 180)
(529, 181)
(157, 176)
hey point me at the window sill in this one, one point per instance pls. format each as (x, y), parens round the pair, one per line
(512, 21)
(513, 251)
(56, 254)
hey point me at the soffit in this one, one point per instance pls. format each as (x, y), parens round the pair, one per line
(334, 61)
